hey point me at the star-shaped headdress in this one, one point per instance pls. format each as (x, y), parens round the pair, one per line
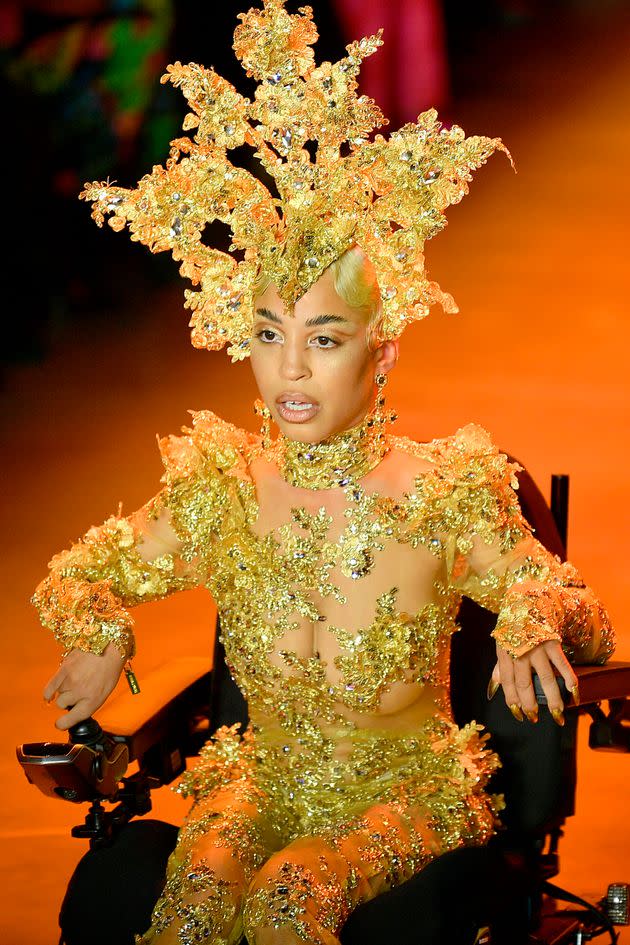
(310, 131)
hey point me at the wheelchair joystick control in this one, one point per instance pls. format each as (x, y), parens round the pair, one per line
(89, 766)
(87, 732)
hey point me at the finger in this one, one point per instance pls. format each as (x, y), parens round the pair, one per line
(545, 672)
(506, 670)
(54, 683)
(525, 687)
(495, 681)
(79, 712)
(548, 681)
(66, 699)
(558, 659)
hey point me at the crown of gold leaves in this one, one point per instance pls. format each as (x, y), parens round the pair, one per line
(385, 195)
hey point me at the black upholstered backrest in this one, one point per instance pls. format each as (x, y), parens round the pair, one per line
(538, 761)
(538, 773)
(227, 705)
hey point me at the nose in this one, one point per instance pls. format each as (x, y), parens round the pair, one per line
(293, 360)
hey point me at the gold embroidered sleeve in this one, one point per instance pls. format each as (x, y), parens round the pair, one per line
(494, 558)
(117, 565)
(164, 547)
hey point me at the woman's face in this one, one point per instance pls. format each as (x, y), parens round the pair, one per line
(313, 367)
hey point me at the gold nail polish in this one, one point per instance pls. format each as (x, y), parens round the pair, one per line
(493, 685)
(558, 716)
(575, 692)
(516, 712)
(532, 715)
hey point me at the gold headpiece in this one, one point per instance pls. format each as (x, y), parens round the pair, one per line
(386, 195)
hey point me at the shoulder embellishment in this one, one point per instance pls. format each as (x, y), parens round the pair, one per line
(476, 458)
(211, 441)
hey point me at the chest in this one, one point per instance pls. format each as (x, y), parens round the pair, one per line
(311, 577)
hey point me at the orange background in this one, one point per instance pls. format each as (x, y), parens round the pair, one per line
(538, 355)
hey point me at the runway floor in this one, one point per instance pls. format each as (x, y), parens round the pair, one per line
(538, 355)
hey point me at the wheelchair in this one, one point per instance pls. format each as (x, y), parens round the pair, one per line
(501, 893)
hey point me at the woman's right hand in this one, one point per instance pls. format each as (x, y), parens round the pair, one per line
(83, 682)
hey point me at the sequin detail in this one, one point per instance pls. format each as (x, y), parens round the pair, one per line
(388, 195)
(337, 461)
(81, 600)
(317, 760)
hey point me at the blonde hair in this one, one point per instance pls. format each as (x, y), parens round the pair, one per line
(355, 282)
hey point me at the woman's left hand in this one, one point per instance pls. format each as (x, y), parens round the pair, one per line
(547, 660)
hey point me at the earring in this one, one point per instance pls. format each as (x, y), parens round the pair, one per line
(381, 381)
(262, 410)
(379, 416)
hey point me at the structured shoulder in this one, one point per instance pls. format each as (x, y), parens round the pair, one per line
(468, 440)
(472, 438)
(470, 454)
(468, 457)
(210, 444)
(469, 489)
(202, 472)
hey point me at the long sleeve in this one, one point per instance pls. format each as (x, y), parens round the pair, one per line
(494, 558)
(85, 598)
(165, 546)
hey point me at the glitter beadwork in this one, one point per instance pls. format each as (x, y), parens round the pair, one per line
(80, 600)
(346, 781)
(388, 195)
(338, 461)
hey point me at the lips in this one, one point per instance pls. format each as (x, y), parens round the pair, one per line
(296, 398)
(289, 407)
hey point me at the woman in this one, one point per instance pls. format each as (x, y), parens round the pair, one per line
(337, 554)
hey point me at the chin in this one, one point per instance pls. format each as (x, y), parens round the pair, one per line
(311, 431)
(307, 432)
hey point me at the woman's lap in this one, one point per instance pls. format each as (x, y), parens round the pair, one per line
(234, 872)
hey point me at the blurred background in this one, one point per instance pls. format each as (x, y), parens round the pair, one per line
(96, 359)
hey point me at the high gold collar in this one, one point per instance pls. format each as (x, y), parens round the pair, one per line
(335, 462)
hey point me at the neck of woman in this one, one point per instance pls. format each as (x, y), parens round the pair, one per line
(336, 461)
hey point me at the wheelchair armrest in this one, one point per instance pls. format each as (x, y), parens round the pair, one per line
(601, 683)
(610, 683)
(162, 713)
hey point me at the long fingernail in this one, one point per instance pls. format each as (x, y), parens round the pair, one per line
(558, 716)
(532, 715)
(515, 709)
(575, 692)
(493, 685)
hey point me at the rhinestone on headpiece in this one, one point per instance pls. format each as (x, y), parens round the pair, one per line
(386, 195)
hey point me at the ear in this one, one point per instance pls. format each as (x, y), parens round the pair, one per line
(385, 357)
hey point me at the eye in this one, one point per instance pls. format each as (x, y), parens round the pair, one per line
(267, 335)
(323, 341)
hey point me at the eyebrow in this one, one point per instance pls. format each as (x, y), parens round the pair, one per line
(317, 320)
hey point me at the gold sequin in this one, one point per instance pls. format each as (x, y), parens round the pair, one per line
(386, 195)
(337, 461)
(464, 512)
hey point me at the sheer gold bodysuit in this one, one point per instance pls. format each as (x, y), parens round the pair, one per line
(336, 606)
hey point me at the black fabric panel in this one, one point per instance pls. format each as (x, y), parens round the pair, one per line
(112, 891)
(448, 902)
(226, 700)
